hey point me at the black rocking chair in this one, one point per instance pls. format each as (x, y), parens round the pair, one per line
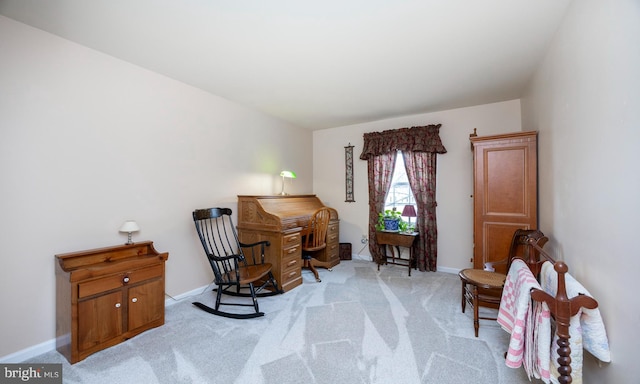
(233, 274)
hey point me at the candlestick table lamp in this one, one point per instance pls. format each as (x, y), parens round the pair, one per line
(129, 227)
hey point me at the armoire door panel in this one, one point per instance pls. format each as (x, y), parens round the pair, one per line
(497, 241)
(504, 192)
(505, 181)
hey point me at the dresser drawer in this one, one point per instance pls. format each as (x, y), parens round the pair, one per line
(100, 285)
(118, 280)
(145, 274)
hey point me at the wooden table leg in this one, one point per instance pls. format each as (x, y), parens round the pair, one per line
(393, 254)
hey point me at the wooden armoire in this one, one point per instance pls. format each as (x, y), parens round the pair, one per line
(505, 193)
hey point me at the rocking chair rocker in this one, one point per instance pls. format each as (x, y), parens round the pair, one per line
(233, 274)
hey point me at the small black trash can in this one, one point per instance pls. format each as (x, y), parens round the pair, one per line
(345, 251)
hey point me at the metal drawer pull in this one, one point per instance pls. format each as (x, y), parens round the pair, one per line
(126, 279)
(134, 300)
(117, 305)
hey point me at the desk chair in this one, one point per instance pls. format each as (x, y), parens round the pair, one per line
(233, 274)
(314, 239)
(483, 288)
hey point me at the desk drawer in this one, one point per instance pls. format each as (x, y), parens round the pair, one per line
(291, 253)
(290, 274)
(291, 240)
(291, 263)
(333, 251)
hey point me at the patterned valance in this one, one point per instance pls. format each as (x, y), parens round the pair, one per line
(414, 139)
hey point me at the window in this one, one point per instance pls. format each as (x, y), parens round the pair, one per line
(400, 193)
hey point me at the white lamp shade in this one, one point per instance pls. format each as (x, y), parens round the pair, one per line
(130, 226)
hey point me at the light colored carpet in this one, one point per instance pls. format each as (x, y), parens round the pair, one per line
(357, 326)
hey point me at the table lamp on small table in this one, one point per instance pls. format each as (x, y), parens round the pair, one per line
(409, 211)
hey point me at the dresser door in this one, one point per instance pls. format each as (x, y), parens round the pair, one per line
(146, 304)
(99, 319)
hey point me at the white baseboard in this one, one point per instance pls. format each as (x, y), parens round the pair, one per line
(360, 257)
(30, 352)
(448, 270)
(170, 300)
(439, 269)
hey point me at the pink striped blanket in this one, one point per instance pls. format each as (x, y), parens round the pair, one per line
(529, 323)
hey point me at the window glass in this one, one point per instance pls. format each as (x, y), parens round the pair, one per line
(400, 193)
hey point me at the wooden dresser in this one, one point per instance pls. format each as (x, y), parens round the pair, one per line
(105, 296)
(279, 219)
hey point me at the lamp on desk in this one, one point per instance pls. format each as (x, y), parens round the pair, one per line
(409, 211)
(129, 227)
(289, 175)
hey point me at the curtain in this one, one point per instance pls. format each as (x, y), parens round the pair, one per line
(380, 172)
(419, 146)
(421, 172)
(414, 139)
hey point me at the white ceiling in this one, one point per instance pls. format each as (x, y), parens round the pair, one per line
(319, 64)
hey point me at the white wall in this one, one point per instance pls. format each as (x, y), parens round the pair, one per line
(455, 174)
(585, 101)
(88, 141)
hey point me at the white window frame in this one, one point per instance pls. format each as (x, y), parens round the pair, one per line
(399, 193)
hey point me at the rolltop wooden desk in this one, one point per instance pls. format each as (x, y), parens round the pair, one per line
(280, 219)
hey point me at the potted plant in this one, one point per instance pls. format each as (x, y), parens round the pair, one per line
(389, 220)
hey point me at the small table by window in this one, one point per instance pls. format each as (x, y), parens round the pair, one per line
(397, 240)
